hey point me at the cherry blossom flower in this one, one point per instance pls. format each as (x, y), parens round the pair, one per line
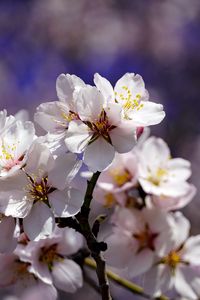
(99, 131)
(14, 273)
(160, 175)
(50, 261)
(41, 191)
(15, 142)
(138, 235)
(55, 116)
(178, 267)
(130, 94)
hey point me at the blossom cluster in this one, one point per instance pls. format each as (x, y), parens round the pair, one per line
(103, 129)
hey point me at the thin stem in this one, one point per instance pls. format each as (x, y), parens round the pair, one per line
(132, 287)
(94, 246)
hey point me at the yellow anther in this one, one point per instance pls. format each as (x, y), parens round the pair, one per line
(120, 177)
(109, 200)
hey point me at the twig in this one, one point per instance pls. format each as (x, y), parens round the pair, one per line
(132, 287)
(94, 246)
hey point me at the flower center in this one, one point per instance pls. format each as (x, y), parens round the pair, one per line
(158, 176)
(129, 103)
(120, 177)
(172, 260)
(109, 200)
(39, 190)
(48, 255)
(8, 157)
(145, 239)
(100, 128)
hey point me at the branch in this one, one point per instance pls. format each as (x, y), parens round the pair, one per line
(94, 246)
(132, 287)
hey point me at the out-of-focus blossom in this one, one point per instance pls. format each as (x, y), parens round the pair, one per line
(160, 175)
(178, 267)
(138, 236)
(49, 260)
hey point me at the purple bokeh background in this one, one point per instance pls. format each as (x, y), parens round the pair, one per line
(158, 39)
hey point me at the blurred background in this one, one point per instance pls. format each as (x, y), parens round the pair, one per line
(159, 39)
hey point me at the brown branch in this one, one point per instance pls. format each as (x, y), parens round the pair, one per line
(132, 287)
(94, 246)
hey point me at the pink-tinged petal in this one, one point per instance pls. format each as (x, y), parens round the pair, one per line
(71, 242)
(120, 250)
(8, 241)
(150, 114)
(174, 203)
(65, 86)
(104, 86)
(98, 155)
(140, 262)
(123, 138)
(67, 276)
(182, 286)
(51, 116)
(65, 169)
(89, 103)
(15, 203)
(77, 137)
(157, 280)
(66, 203)
(40, 222)
(191, 250)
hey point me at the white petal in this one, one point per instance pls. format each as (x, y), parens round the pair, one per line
(65, 86)
(65, 169)
(89, 104)
(104, 87)
(40, 222)
(140, 262)
(98, 155)
(150, 114)
(134, 83)
(51, 116)
(191, 250)
(71, 242)
(182, 286)
(123, 139)
(158, 280)
(39, 161)
(179, 169)
(181, 229)
(67, 276)
(120, 250)
(15, 204)
(66, 203)
(77, 137)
